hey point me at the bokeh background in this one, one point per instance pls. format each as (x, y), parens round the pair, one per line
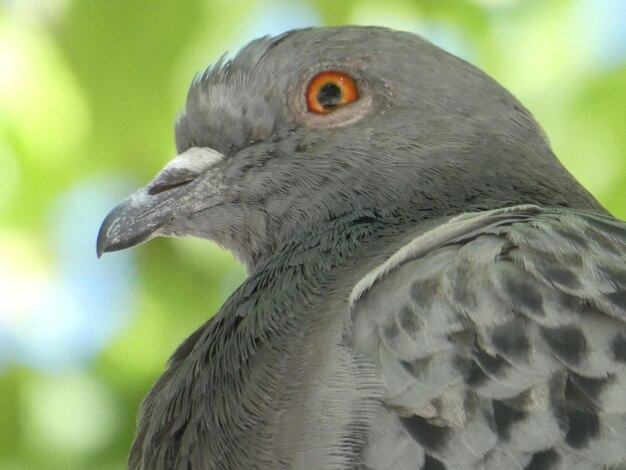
(88, 94)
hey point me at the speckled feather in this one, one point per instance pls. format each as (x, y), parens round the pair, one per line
(502, 345)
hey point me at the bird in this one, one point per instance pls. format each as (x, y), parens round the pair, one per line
(427, 286)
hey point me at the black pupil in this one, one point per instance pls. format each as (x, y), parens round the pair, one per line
(329, 96)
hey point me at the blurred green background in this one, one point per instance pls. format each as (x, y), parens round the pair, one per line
(88, 94)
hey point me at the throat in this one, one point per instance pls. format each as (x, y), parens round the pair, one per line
(324, 245)
(275, 340)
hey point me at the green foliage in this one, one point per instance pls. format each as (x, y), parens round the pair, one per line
(89, 90)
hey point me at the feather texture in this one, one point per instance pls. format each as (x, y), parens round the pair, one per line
(500, 339)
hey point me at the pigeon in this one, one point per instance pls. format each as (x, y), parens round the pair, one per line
(428, 287)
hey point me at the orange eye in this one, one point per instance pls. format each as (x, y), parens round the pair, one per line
(328, 91)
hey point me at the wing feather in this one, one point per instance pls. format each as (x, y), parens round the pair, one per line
(500, 338)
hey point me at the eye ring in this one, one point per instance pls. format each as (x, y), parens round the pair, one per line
(330, 90)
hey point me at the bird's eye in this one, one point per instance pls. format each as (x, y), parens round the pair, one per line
(328, 91)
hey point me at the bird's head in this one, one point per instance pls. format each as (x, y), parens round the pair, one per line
(310, 126)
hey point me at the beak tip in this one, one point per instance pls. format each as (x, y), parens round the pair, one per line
(120, 231)
(103, 242)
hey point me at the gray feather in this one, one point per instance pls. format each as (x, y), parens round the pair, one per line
(529, 340)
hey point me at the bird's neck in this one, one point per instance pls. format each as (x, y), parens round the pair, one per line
(277, 320)
(332, 242)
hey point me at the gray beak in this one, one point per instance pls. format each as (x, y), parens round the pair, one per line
(146, 213)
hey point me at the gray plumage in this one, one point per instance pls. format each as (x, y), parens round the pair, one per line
(428, 287)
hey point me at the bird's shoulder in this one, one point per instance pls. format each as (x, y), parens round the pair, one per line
(500, 340)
